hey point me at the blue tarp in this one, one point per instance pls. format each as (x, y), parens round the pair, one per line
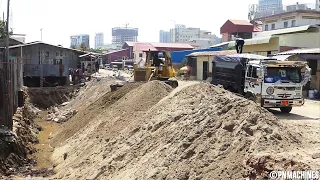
(178, 56)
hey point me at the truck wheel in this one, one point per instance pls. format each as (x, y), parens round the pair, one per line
(251, 97)
(286, 109)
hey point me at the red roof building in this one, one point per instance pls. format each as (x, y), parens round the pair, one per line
(241, 28)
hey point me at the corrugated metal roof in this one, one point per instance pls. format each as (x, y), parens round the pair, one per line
(214, 53)
(261, 40)
(172, 45)
(39, 42)
(130, 43)
(192, 44)
(241, 22)
(286, 30)
(144, 47)
(220, 44)
(301, 51)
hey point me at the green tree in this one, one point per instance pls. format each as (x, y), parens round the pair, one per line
(3, 30)
(83, 47)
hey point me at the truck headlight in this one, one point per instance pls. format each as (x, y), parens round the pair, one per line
(270, 90)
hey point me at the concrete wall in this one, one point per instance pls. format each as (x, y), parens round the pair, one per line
(301, 40)
(301, 19)
(200, 60)
(263, 49)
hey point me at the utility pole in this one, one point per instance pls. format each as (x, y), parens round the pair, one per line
(41, 33)
(7, 79)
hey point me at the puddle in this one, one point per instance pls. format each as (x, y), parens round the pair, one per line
(44, 150)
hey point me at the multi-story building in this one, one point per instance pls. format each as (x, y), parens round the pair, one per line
(318, 5)
(290, 19)
(183, 34)
(164, 36)
(77, 40)
(296, 7)
(269, 7)
(122, 34)
(98, 40)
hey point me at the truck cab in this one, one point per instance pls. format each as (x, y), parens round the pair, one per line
(275, 84)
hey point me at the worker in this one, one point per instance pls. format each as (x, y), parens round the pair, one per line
(239, 45)
(97, 66)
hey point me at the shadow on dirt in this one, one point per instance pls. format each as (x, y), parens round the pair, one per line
(290, 116)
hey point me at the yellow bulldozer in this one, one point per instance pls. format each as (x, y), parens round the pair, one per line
(157, 66)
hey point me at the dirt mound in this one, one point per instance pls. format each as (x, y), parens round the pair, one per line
(83, 117)
(47, 97)
(201, 132)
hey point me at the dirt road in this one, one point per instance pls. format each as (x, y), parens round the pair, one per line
(310, 111)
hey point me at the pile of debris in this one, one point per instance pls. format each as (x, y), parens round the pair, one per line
(200, 132)
(60, 116)
(16, 145)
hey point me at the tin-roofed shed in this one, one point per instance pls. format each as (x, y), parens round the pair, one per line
(201, 63)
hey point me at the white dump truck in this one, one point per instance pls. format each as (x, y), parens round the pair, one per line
(271, 82)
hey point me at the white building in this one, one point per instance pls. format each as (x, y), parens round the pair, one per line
(269, 7)
(318, 5)
(99, 40)
(183, 34)
(290, 19)
(77, 40)
(164, 36)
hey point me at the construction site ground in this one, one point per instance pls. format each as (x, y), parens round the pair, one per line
(195, 131)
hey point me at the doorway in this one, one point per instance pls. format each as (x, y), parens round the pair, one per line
(205, 71)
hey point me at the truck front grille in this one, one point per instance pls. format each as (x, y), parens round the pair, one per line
(284, 95)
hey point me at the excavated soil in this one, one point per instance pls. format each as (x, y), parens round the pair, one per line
(200, 132)
(83, 117)
(16, 145)
(46, 97)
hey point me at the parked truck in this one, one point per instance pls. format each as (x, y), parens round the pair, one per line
(268, 81)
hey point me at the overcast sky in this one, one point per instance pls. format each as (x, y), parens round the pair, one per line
(62, 18)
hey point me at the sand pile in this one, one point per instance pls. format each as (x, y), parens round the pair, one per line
(84, 116)
(106, 126)
(201, 132)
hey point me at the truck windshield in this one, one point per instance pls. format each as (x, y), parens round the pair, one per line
(285, 74)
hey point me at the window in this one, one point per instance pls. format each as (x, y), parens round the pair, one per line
(273, 26)
(140, 55)
(293, 23)
(266, 27)
(254, 72)
(249, 71)
(285, 24)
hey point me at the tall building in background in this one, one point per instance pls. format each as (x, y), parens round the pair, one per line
(183, 34)
(77, 40)
(318, 5)
(122, 34)
(164, 36)
(269, 7)
(99, 41)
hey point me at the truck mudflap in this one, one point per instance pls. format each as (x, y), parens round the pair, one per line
(281, 102)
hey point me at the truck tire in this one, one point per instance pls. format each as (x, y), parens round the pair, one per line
(251, 97)
(286, 109)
